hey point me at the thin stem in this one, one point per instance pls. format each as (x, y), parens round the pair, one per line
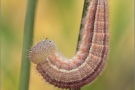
(85, 6)
(27, 42)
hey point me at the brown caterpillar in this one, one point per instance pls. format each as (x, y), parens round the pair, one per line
(89, 60)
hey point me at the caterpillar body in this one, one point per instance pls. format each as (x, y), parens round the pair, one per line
(89, 60)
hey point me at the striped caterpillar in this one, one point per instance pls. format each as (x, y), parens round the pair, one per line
(89, 60)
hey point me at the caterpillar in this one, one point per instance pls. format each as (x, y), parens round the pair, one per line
(90, 58)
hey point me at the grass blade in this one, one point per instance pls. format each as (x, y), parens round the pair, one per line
(27, 42)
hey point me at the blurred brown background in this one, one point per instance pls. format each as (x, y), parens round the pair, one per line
(59, 20)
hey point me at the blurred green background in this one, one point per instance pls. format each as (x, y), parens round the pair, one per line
(59, 20)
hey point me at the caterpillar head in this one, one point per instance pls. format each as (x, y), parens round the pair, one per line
(42, 50)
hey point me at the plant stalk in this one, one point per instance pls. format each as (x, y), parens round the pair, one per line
(27, 42)
(85, 6)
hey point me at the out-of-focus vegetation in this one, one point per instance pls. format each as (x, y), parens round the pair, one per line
(59, 20)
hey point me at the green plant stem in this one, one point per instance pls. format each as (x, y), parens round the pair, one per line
(85, 6)
(27, 42)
